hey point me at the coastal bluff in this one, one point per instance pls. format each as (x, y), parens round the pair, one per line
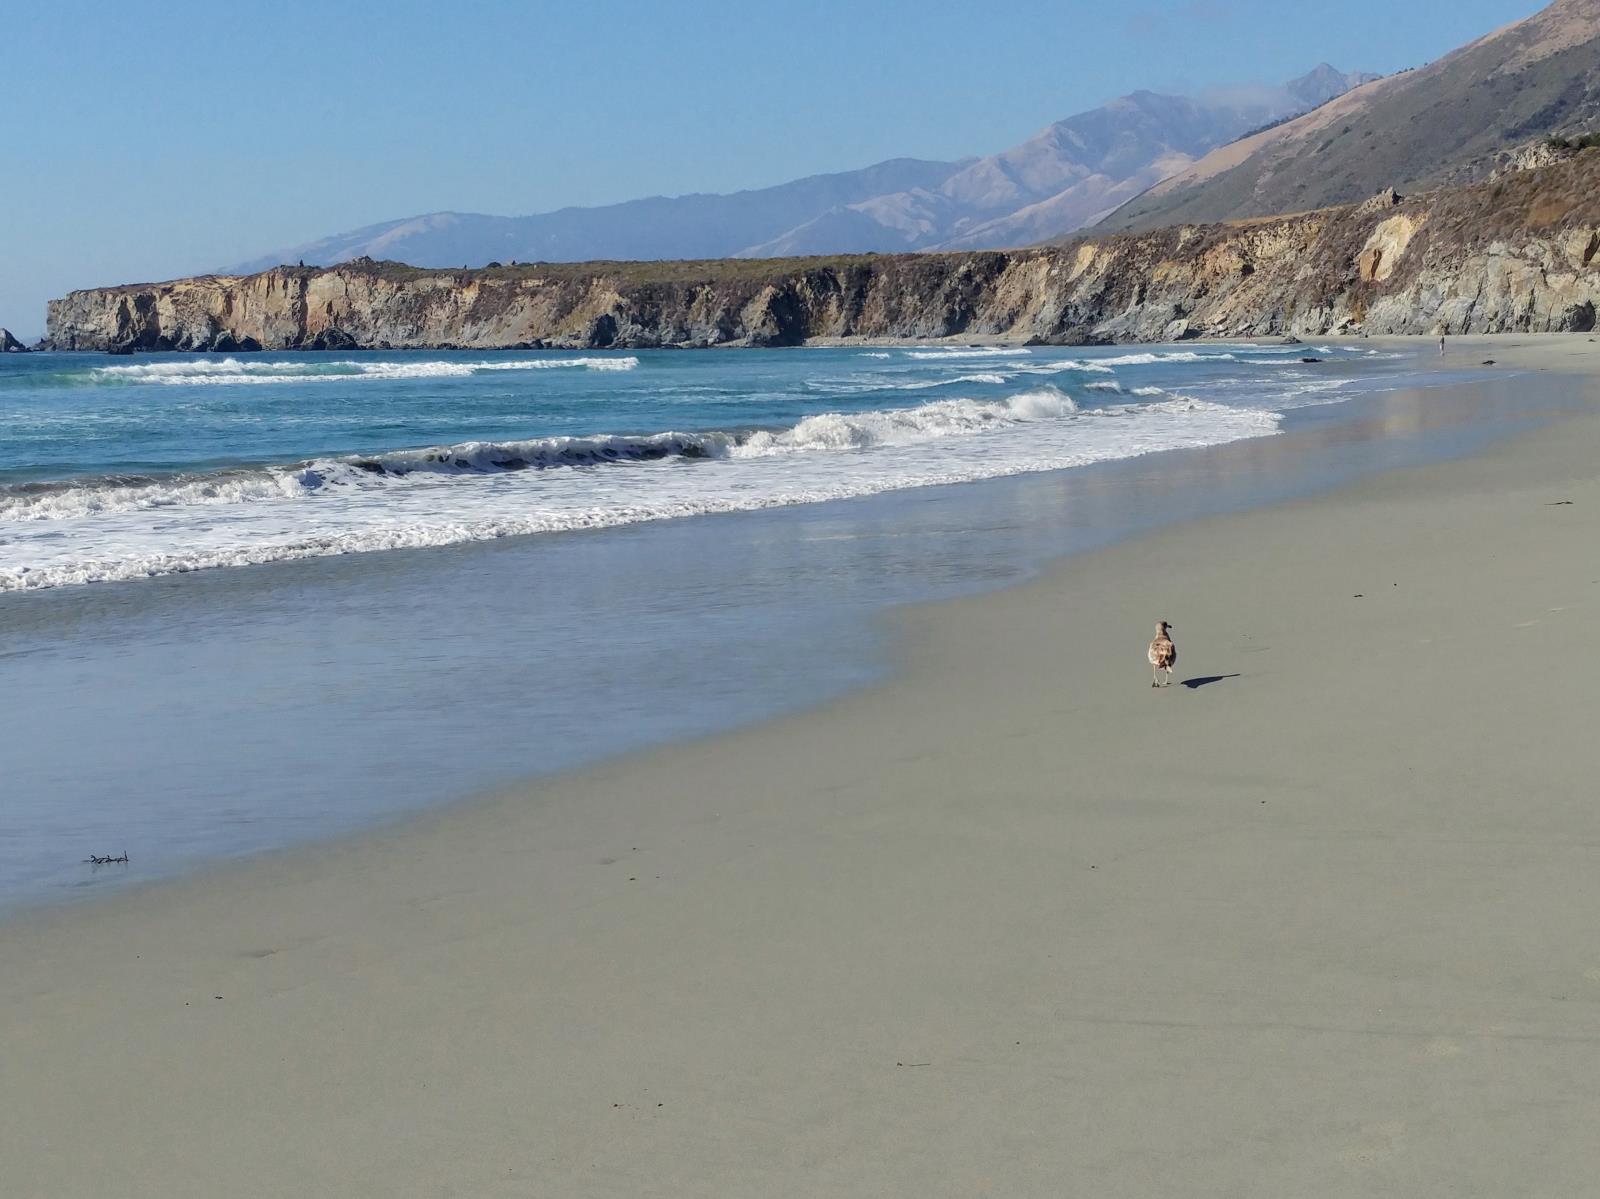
(1513, 254)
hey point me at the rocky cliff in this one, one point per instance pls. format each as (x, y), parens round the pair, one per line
(1512, 254)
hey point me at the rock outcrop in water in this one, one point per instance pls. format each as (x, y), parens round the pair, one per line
(1513, 254)
(9, 344)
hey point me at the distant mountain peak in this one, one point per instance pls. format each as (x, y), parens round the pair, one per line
(1325, 82)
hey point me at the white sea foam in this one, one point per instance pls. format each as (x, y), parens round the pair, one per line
(866, 382)
(1120, 390)
(1063, 366)
(1309, 394)
(924, 384)
(935, 353)
(1150, 359)
(907, 426)
(212, 371)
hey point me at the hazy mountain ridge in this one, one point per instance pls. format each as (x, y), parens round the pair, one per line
(1061, 179)
(692, 226)
(1451, 122)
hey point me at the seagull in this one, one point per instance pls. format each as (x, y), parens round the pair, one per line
(1163, 655)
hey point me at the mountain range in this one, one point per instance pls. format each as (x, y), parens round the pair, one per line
(1063, 178)
(1452, 122)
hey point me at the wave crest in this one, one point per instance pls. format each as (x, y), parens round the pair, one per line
(826, 431)
(936, 353)
(908, 426)
(224, 371)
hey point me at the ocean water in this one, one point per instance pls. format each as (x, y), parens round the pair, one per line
(121, 469)
(260, 601)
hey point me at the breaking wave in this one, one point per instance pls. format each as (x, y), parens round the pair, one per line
(1150, 359)
(826, 431)
(212, 371)
(907, 426)
(936, 353)
(927, 383)
(1119, 389)
(58, 501)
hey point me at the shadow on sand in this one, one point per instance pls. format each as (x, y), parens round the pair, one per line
(1196, 684)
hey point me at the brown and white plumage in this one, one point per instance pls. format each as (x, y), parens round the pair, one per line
(1163, 655)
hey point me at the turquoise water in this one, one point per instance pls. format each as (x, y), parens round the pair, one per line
(188, 716)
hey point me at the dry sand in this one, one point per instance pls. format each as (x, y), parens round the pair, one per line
(1010, 924)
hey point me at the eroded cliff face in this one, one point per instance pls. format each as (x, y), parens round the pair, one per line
(1514, 254)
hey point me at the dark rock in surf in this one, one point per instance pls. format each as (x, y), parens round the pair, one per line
(331, 338)
(226, 343)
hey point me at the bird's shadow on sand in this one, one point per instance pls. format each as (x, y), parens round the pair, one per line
(1206, 681)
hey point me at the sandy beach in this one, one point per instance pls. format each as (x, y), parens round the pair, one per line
(1319, 921)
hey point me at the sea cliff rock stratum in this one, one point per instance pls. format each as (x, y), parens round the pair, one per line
(1513, 254)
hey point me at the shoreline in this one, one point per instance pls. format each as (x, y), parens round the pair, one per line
(860, 949)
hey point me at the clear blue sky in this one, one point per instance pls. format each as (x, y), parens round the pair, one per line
(145, 139)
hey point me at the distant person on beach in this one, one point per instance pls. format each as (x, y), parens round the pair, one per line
(1441, 345)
